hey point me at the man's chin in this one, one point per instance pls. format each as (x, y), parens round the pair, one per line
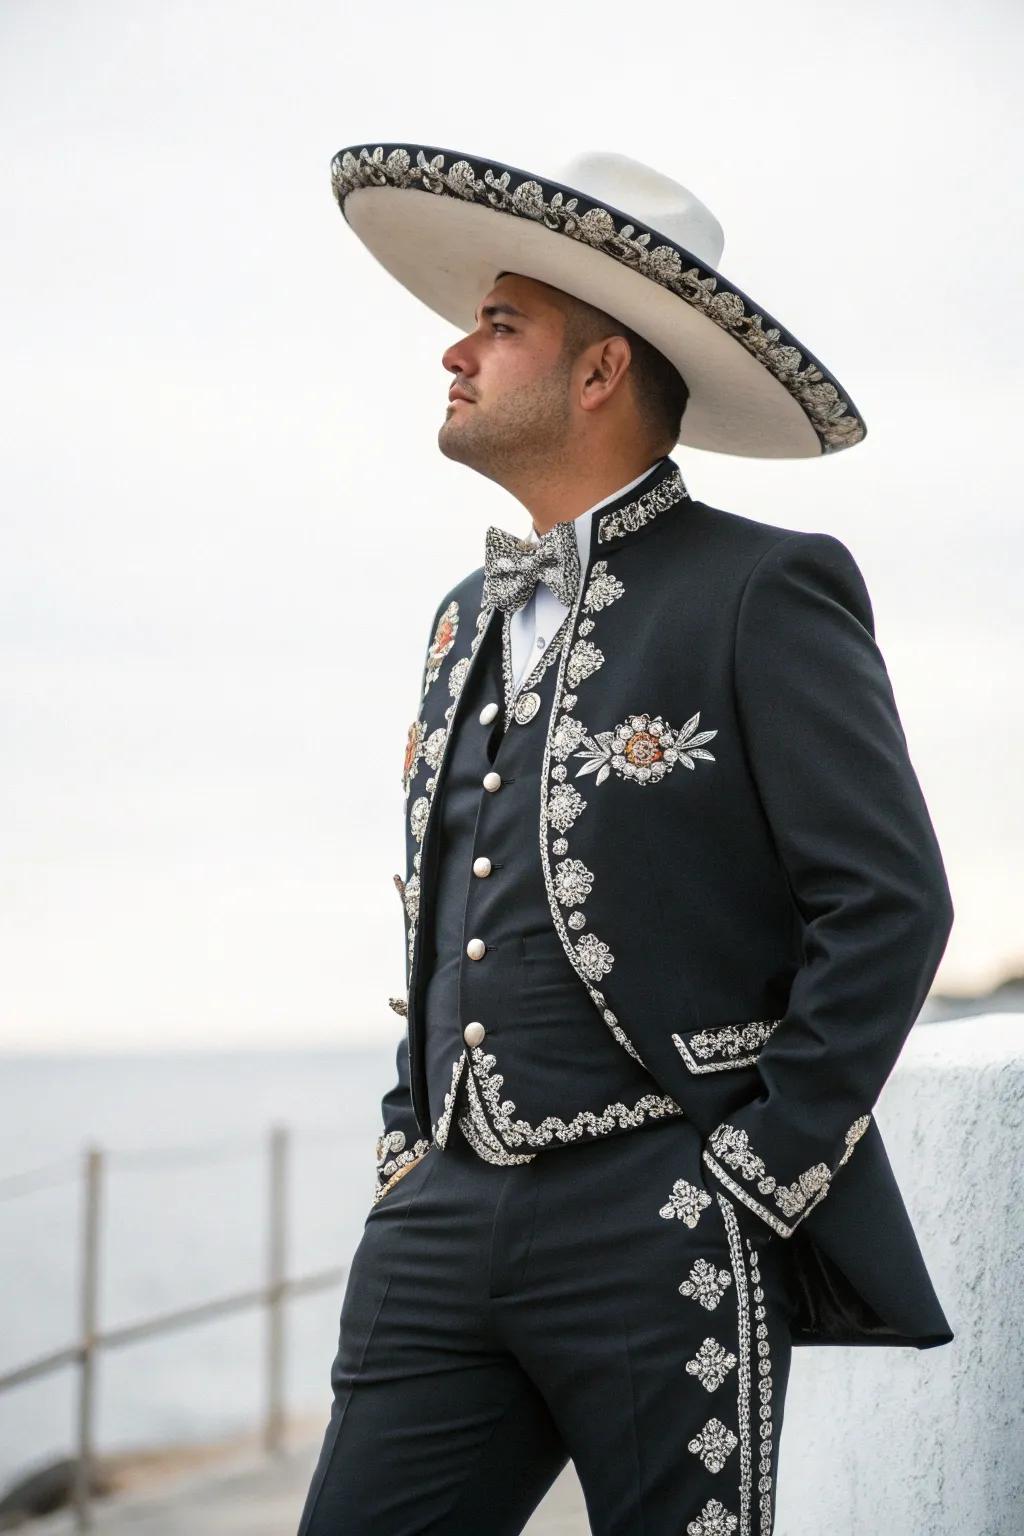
(457, 444)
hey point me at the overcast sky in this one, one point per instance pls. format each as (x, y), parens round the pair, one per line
(226, 522)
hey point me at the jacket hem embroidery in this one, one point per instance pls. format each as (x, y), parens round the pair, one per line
(480, 1136)
(389, 1168)
(515, 1133)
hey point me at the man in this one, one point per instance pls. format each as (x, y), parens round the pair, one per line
(673, 900)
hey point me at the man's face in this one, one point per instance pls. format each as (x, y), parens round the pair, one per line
(511, 367)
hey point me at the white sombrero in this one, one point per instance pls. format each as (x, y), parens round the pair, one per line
(445, 224)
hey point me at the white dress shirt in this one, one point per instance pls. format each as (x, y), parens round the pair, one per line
(532, 627)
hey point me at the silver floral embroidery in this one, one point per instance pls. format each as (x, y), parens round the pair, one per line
(457, 676)
(602, 588)
(440, 1130)
(618, 1032)
(412, 897)
(713, 1445)
(433, 748)
(481, 1138)
(644, 510)
(418, 817)
(706, 1284)
(791, 1198)
(585, 626)
(564, 805)
(566, 737)
(730, 1045)
(584, 660)
(732, 1145)
(686, 1202)
(590, 956)
(711, 1364)
(595, 958)
(773, 348)
(713, 1520)
(643, 749)
(519, 1132)
(573, 882)
(394, 1142)
(854, 1135)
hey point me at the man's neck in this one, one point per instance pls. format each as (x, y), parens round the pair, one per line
(568, 497)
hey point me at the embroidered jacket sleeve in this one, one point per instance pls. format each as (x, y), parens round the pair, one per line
(830, 760)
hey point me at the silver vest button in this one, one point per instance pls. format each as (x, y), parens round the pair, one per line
(488, 713)
(481, 866)
(476, 949)
(473, 1033)
(492, 781)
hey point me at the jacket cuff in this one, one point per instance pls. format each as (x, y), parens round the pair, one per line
(394, 1159)
(782, 1206)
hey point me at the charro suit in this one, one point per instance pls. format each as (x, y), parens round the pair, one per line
(672, 904)
(757, 920)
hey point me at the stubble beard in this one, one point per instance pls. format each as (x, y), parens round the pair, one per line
(519, 433)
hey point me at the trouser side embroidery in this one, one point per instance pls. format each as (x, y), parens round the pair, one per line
(764, 1387)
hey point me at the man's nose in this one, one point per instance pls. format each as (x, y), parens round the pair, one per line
(458, 358)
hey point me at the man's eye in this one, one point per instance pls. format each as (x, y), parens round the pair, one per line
(499, 327)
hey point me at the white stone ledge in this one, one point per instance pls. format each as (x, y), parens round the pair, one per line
(931, 1442)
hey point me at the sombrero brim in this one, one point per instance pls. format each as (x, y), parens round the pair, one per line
(444, 224)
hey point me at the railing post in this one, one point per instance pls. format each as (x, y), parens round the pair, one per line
(93, 1188)
(273, 1435)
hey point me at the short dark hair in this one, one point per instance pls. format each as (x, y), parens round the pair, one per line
(660, 389)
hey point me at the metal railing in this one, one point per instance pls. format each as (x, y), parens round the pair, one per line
(277, 1288)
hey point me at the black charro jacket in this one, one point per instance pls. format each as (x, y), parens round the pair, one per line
(769, 903)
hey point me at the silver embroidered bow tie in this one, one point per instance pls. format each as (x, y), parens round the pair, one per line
(513, 567)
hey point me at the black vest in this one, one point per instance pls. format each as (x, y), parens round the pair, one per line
(572, 1079)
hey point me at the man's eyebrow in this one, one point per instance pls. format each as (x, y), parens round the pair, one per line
(501, 309)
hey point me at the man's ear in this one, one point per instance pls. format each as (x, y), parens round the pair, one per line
(606, 371)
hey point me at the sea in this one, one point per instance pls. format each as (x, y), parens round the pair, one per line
(183, 1219)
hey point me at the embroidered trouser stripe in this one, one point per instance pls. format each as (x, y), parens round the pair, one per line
(743, 1351)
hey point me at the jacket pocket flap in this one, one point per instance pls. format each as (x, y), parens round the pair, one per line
(723, 1047)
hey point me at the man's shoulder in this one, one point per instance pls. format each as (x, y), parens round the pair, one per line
(740, 543)
(733, 531)
(465, 595)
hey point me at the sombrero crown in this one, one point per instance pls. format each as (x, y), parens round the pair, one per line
(444, 224)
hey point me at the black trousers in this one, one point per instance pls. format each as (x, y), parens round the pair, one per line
(601, 1302)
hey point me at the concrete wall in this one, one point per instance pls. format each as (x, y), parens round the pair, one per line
(902, 1442)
